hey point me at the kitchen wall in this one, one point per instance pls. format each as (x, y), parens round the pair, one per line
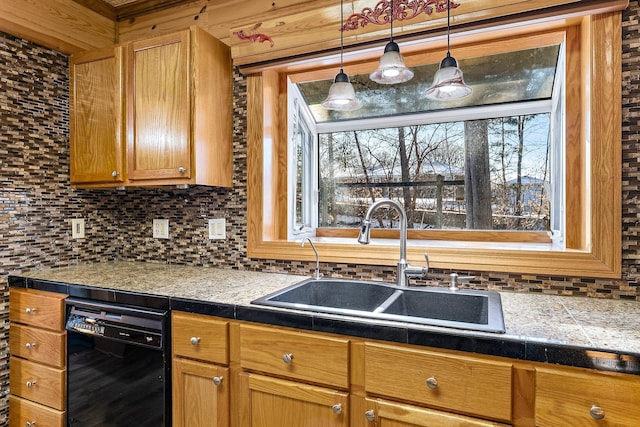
(36, 201)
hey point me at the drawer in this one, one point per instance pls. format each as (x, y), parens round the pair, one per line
(389, 413)
(22, 411)
(37, 308)
(298, 355)
(38, 383)
(566, 397)
(467, 385)
(38, 345)
(200, 337)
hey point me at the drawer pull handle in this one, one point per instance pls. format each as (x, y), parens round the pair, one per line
(370, 415)
(31, 424)
(30, 310)
(30, 345)
(217, 380)
(337, 408)
(287, 358)
(596, 412)
(31, 383)
(432, 383)
(181, 170)
(195, 340)
(114, 173)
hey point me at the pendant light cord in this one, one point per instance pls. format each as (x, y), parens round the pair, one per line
(448, 27)
(391, 20)
(341, 33)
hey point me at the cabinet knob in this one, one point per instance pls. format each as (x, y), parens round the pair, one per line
(432, 383)
(337, 408)
(287, 358)
(30, 310)
(217, 380)
(30, 424)
(31, 383)
(30, 345)
(370, 415)
(596, 412)
(195, 340)
(114, 173)
(181, 170)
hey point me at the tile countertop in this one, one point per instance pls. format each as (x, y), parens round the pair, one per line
(587, 332)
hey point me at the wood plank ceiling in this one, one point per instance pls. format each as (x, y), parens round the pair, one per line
(118, 10)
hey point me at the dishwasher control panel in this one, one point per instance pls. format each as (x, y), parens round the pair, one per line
(121, 323)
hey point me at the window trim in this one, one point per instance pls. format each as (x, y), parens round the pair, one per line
(594, 228)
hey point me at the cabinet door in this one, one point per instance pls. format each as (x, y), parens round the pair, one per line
(159, 108)
(277, 403)
(388, 414)
(200, 394)
(97, 140)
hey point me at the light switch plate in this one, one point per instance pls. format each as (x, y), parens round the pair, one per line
(160, 228)
(77, 228)
(217, 228)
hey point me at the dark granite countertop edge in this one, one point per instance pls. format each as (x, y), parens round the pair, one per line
(521, 349)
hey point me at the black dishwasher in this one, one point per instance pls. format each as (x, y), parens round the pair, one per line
(118, 371)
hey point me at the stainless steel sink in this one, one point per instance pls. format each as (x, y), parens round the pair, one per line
(462, 309)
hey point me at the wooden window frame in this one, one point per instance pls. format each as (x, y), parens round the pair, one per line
(594, 132)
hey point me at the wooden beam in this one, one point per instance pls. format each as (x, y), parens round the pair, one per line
(62, 25)
(101, 7)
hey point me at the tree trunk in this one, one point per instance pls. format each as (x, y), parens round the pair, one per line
(404, 167)
(477, 180)
(518, 210)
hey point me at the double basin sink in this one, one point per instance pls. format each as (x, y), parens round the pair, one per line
(462, 309)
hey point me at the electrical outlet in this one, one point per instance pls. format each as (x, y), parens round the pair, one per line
(160, 228)
(217, 228)
(77, 228)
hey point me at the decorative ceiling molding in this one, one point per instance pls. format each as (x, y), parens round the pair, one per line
(402, 10)
(256, 37)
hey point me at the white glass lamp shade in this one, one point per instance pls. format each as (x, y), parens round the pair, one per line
(342, 96)
(448, 82)
(391, 69)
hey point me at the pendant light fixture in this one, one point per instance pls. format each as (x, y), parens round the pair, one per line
(391, 69)
(448, 82)
(342, 96)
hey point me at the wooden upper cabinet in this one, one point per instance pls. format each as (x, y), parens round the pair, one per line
(153, 112)
(97, 117)
(180, 110)
(160, 108)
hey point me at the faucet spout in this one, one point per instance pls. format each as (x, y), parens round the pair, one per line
(404, 269)
(317, 274)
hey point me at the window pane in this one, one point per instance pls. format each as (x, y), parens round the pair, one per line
(524, 75)
(480, 174)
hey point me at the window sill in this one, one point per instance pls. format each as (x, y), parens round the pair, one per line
(507, 257)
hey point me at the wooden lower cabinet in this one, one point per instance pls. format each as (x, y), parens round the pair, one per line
(383, 413)
(275, 402)
(37, 366)
(273, 377)
(200, 394)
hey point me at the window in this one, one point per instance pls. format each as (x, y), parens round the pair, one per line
(303, 171)
(478, 163)
(591, 120)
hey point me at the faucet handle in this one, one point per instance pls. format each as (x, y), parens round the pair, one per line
(426, 259)
(454, 280)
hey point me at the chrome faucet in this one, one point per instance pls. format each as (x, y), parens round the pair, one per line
(317, 274)
(405, 271)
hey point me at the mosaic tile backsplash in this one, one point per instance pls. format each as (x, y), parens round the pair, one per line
(37, 202)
